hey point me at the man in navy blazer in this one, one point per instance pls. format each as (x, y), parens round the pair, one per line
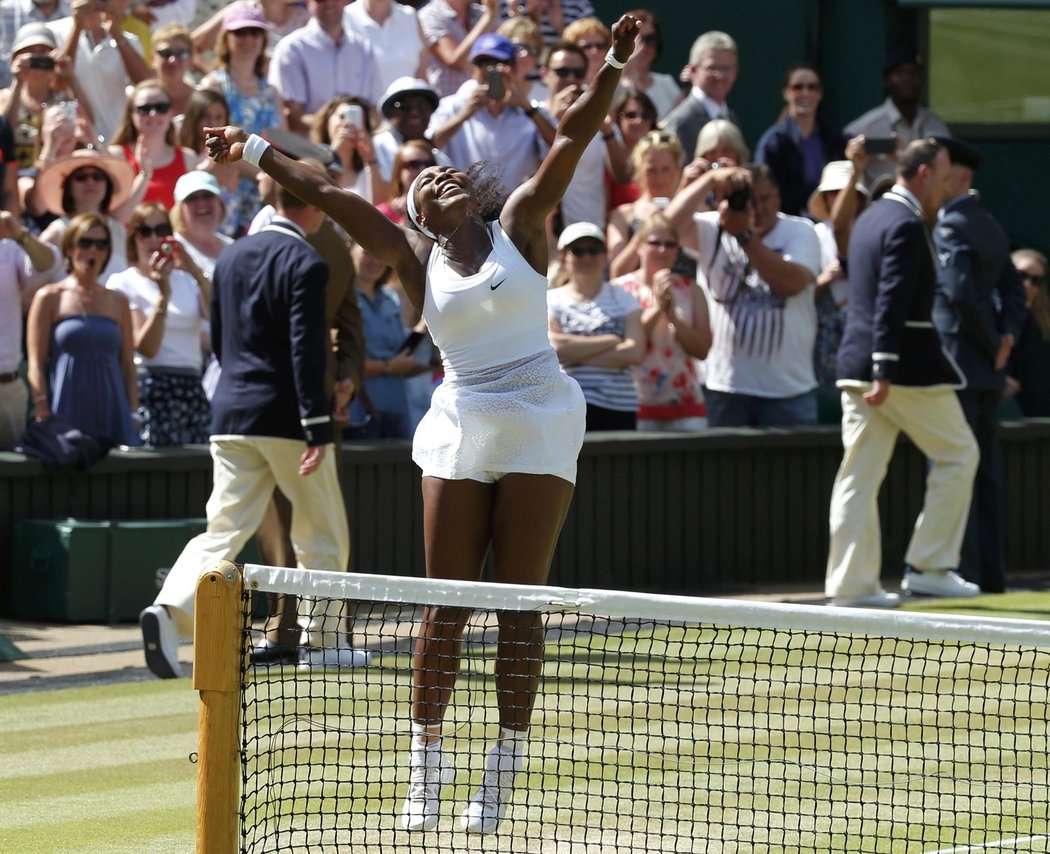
(712, 70)
(978, 310)
(895, 376)
(271, 426)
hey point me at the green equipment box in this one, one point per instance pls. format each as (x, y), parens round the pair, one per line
(78, 571)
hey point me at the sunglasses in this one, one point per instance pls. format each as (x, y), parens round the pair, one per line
(99, 243)
(170, 53)
(580, 251)
(159, 108)
(805, 87)
(417, 164)
(592, 46)
(650, 39)
(1031, 278)
(89, 175)
(662, 244)
(659, 136)
(147, 231)
(634, 114)
(407, 104)
(578, 73)
(248, 33)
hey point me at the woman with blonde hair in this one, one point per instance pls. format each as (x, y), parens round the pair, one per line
(720, 143)
(592, 37)
(145, 138)
(677, 331)
(171, 61)
(344, 124)
(656, 164)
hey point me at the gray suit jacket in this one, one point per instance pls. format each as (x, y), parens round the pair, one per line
(686, 120)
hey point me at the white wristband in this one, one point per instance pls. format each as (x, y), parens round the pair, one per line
(610, 59)
(254, 149)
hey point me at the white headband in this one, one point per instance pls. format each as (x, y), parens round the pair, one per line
(413, 214)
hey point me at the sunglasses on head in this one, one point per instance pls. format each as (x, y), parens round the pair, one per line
(417, 164)
(578, 73)
(158, 108)
(89, 175)
(99, 243)
(526, 49)
(580, 251)
(147, 231)
(173, 53)
(659, 136)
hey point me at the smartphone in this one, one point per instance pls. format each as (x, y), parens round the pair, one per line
(69, 110)
(44, 63)
(494, 80)
(353, 115)
(880, 145)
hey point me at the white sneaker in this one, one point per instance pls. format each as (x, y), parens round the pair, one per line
(430, 771)
(160, 642)
(878, 599)
(331, 658)
(933, 583)
(486, 809)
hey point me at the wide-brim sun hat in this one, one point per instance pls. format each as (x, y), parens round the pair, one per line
(835, 176)
(578, 231)
(52, 178)
(406, 86)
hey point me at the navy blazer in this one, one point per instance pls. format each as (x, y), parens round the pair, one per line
(780, 148)
(979, 296)
(889, 331)
(269, 334)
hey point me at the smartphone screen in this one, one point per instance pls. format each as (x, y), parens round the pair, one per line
(354, 115)
(880, 145)
(494, 80)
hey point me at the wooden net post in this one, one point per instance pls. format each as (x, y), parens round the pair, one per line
(217, 658)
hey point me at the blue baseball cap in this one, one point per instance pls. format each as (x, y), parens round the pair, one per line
(493, 46)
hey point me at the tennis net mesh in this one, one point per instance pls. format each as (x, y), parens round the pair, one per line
(662, 724)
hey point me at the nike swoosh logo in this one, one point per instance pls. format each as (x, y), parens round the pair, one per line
(493, 287)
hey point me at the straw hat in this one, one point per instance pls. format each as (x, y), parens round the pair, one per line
(52, 178)
(835, 176)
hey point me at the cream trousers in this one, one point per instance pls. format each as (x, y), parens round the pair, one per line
(933, 419)
(245, 471)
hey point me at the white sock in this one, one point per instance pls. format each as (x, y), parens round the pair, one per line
(512, 739)
(426, 737)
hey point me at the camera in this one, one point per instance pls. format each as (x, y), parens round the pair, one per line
(353, 115)
(43, 63)
(739, 199)
(166, 246)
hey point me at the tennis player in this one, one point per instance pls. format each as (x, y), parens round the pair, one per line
(499, 446)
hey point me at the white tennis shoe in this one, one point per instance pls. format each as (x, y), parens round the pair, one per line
(160, 642)
(948, 584)
(430, 770)
(331, 659)
(487, 808)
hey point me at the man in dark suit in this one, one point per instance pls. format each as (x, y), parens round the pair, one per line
(271, 338)
(896, 377)
(712, 70)
(978, 310)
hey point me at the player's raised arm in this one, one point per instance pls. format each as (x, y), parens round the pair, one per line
(540, 194)
(377, 235)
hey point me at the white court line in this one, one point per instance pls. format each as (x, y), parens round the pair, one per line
(1002, 843)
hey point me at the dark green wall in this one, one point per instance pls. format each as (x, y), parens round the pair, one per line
(848, 40)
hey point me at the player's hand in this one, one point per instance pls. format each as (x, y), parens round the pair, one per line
(311, 460)
(624, 32)
(880, 390)
(225, 144)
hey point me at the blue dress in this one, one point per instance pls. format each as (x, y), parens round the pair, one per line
(87, 386)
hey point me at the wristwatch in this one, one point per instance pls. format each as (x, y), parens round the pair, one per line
(532, 109)
(743, 237)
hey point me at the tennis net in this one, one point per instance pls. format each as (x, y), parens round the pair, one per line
(662, 724)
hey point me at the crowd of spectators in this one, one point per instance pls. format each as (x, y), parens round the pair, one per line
(693, 282)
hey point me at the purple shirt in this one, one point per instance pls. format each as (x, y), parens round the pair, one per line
(311, 68)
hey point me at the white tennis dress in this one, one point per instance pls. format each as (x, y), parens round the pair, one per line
(505, 405)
